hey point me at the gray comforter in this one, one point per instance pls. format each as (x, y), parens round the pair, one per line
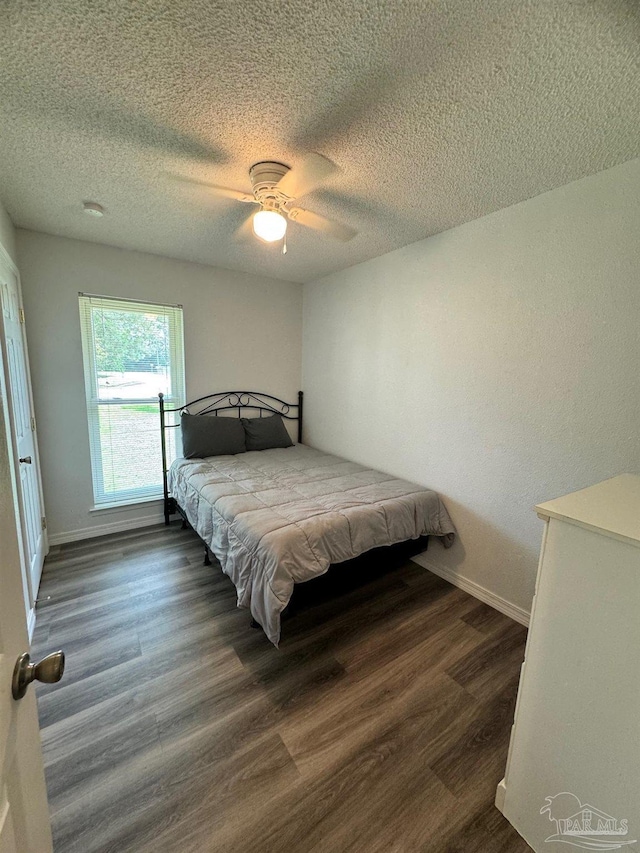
(278, 517)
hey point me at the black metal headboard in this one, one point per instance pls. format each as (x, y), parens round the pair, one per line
(253, 401)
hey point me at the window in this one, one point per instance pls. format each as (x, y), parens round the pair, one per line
(132, 350)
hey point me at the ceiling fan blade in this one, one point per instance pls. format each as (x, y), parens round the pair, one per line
(321, 223)
(310, 172)
(236, 195)
(223, 192)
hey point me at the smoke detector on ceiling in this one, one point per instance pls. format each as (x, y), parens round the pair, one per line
(92, 208)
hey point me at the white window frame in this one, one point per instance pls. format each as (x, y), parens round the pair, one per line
(86, 301)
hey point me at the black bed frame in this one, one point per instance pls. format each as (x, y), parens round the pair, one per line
(212, 404)
(253, 401)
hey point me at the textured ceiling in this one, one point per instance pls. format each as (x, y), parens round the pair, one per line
(436, 112)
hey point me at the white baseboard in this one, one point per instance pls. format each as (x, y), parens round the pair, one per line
(103, 529)
(501, 793)
(519, 614)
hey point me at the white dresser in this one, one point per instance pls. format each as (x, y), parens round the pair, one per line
(573, 771)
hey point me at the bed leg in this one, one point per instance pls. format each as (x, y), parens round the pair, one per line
(255, 624)
(207, 560)
(184, 524)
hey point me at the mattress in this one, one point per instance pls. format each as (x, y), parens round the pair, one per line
(274, 518)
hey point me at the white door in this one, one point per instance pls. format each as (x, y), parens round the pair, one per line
(24, 816)
(30, 506)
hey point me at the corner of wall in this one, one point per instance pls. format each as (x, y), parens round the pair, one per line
(8, 234)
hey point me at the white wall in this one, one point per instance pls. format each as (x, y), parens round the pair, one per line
(240, 331)
(498, 363)
(7, 234)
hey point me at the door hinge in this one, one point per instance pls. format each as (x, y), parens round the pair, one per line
(33, 424)
(21, 315)
(44, 522)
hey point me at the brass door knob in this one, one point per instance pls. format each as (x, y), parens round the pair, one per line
(25, 459)
(49, 670)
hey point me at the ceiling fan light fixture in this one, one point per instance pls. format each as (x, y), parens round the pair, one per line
(269, 225)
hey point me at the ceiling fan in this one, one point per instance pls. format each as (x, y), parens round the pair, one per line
(275, 188)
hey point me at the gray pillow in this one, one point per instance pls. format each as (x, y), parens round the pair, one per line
(208, 435)
(265, 433)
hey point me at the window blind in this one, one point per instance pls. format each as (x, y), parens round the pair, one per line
(132, 350)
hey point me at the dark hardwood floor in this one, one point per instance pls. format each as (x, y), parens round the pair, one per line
(381, 724)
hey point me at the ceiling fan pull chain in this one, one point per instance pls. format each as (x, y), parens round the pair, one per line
(284, 244)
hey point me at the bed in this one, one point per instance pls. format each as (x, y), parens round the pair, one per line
(281, 516)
